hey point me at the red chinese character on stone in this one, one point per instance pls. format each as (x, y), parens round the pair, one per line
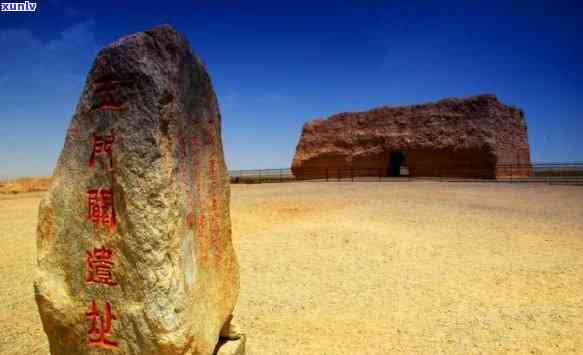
(182, 144)
(101, 327)
(107, 95)
(102, 145)
(190, 220)
(99, 265)
(212, 173)
(201, 221)
(101, 209)
(215, 231)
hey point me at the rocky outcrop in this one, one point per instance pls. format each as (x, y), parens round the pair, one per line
(134, 236)
(471, 137)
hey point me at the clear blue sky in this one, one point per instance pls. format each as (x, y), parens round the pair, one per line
(277, 64)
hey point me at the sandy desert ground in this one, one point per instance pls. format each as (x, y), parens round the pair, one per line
(374, 268)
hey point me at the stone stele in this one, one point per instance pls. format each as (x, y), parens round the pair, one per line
(134, 237)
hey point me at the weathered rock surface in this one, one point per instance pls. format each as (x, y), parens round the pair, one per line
(134, 237)
(232, 347)
(453, 137)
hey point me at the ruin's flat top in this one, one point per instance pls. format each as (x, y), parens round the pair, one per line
(369, 268)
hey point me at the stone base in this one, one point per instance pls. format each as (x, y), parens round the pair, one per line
(231, 347)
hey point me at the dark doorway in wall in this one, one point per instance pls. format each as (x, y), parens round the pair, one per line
(396, 161)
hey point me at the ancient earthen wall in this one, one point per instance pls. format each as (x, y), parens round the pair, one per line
(467, 137)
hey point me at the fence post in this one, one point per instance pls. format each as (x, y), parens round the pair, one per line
(351, 174)
(260, 179)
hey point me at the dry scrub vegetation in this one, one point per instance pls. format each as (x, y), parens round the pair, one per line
(374, 268)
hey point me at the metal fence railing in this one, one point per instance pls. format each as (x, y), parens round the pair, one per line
(552, 173)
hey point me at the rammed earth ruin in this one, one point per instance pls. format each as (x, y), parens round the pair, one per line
(471, 137)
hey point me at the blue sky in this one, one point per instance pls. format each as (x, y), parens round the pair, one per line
(278, 64)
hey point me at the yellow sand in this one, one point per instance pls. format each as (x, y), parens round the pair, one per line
(26, 184)
(374, 268)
